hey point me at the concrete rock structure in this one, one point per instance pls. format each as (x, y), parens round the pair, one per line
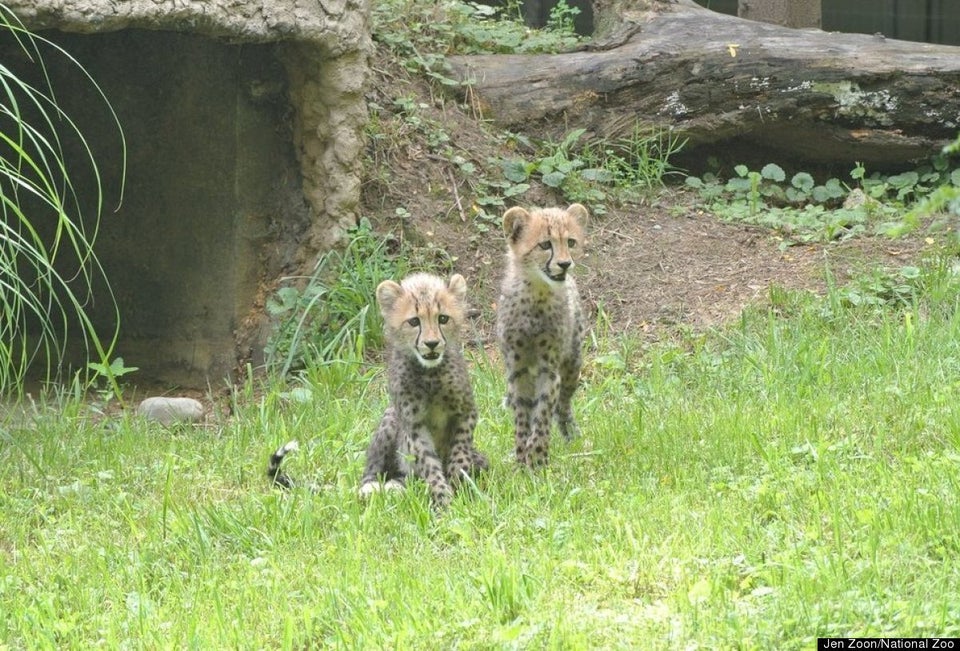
(243, 123)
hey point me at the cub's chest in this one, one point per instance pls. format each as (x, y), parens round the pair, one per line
(442, 415)
(539, 311)
(435, 390)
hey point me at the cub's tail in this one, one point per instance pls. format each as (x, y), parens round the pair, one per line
(278, 478)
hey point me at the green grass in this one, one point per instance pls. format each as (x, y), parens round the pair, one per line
(48, 267)
(795, 475)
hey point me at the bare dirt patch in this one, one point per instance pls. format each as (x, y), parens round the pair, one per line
(657, 269)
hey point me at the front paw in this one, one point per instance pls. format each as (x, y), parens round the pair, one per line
(569, 430)
(478, 463)
(472, 466)
(440, 497)
(368, 488)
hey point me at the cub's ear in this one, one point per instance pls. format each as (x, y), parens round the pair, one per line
(387, 294)
(458, 286)
(513, 222)
(578, 212)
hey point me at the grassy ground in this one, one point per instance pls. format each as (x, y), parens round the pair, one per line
(793, 476)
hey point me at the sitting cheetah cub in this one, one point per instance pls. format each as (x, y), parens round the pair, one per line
(427, 428)
(540, 324)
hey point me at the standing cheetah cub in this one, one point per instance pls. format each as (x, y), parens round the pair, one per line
(540, 324)
(427, 428)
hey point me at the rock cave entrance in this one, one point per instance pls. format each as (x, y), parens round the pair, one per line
(213, 203)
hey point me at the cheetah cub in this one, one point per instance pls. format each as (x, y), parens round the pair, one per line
(540, 324)
(427, 428)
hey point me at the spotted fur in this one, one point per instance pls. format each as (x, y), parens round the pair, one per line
(540, 324)
(427, 429)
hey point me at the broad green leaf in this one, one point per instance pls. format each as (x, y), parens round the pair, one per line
(554, 179)
(773, 172)
(514, 190)
(515, 170)
(597, 174)
(904, 180)
(802, 181)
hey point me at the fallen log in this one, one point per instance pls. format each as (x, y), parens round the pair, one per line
(723, 82)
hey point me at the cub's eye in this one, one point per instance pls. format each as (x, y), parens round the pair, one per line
(413, 322)
(443, 319)
(572, 243)
(545, 245)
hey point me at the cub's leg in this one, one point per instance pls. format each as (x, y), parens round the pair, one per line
(427, 466)
(383, 460)
(533, 398)
(543, 406)
(569, 379)
(478, 462)
(519, 401)
(463, 459)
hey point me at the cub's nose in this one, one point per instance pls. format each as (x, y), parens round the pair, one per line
(431, 344)
(564, 265)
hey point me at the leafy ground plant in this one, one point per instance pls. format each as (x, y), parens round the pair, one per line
(792, 476)
(945, 198)
(331, 314)
(594, 171)
(805, 211)
(47, 261)
(423, 34)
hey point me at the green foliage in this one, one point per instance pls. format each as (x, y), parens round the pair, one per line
(560, 167)
(47, 263)
(423, 34)
(331, 315)
(756, 191)
(884, 288)
(639, 162)
(562, 17)
(592, 172)
(804, 210)
(946, 197)
(108, 375)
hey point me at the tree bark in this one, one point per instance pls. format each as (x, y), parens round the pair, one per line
(720, 81)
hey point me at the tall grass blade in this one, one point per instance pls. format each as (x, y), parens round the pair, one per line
(48, 266)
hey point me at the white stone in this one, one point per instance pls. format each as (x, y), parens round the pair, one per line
(168, 411)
